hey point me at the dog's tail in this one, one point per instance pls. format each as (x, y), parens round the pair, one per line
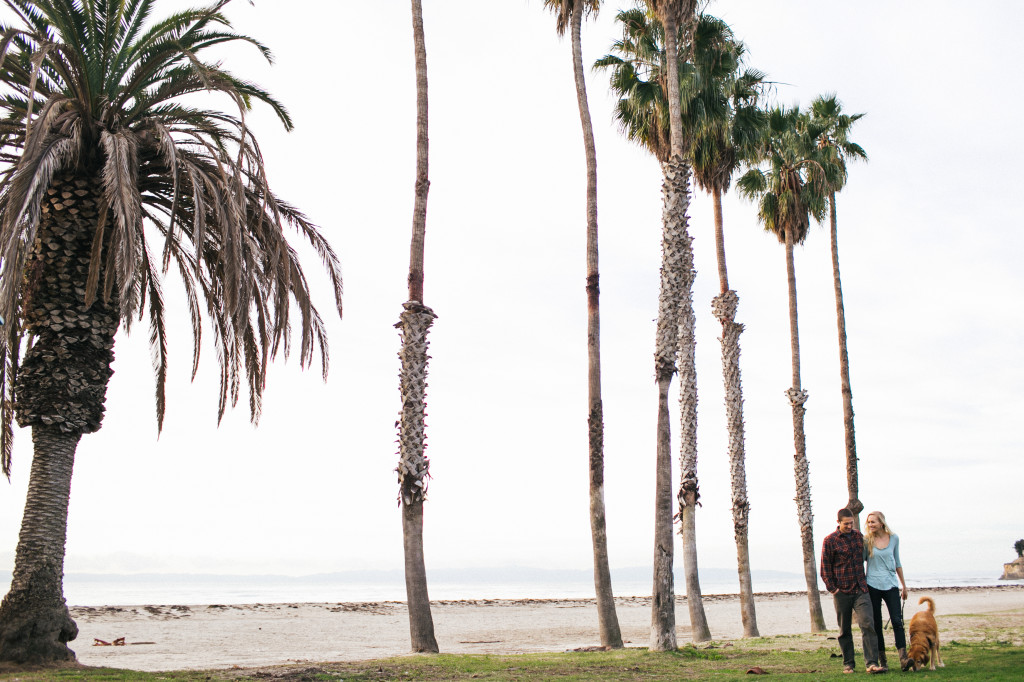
(931, 604)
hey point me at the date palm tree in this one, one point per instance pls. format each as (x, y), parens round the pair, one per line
(831, 127)
(413, 325)
(569, 14)
(789, 191)
(648, 80)
(102, 163)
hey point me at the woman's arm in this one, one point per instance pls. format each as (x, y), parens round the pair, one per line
(899, 565)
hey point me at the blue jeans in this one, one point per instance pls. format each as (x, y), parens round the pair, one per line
(847, 606)
(891, 597)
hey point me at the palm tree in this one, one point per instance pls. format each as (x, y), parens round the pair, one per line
(650, 109)
(414, 323)
(724, 133)
(101, 163)
(569, 13)
(788, 192)
(832, 127)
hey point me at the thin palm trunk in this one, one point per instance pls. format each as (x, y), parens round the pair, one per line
(675, 111)
(663, 601)
(419, 212)
(421, 623)
(415, 322)
(797, 397)
(35, 625)
(724, 308)
(854, 505)
(723, 271)
(608, 621)
(689, 491)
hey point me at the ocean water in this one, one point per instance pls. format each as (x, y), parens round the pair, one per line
(114, 590)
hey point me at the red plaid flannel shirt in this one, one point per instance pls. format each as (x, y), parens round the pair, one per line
(842, 562)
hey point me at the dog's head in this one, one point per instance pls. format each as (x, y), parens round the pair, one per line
(917, 658)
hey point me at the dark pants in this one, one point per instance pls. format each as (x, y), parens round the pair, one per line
(892, 603)
(859, 605)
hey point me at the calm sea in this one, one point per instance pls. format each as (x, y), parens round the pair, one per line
(111, 590)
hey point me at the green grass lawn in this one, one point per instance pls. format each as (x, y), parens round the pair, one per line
(782, 657)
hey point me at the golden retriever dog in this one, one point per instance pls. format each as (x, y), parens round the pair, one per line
(924, 639)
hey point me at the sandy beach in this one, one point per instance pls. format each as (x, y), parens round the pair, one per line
(175, 637)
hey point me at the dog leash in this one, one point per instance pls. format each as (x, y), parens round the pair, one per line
(903, 602)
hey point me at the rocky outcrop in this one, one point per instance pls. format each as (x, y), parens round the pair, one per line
(1013, 570)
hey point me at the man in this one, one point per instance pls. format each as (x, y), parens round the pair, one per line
(842, 569)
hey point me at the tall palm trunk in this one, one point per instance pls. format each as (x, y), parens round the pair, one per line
(61, 389)
(797, 397)
(689, 492)
(414, 324)
(675, 337)
(608, 621)
(854, 505)
(663, 617)
(724, 308)
(675, 328)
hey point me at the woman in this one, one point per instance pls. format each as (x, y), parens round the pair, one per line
(882, 552)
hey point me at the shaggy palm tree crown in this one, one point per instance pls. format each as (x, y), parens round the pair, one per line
(97, 90)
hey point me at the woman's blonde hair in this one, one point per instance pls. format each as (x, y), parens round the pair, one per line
(869, 537)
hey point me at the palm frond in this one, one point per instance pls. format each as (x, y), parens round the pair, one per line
(96, 93)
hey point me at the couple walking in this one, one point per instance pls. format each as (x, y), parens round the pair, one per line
(843, 555)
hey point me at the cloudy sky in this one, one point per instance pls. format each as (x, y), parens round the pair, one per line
(930, 243)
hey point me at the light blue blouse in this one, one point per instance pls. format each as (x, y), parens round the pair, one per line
(882, 565)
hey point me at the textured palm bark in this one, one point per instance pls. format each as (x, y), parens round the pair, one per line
(63, 377)
(797, 398)
(413, 469)
(666, 351)
(724, 307)
(608, 621)
(688, 496)
(35, 625)
(60, 393)
(854, 505)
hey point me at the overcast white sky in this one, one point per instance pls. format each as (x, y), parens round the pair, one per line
(930, 243)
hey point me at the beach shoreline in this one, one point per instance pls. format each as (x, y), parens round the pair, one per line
(176, 637)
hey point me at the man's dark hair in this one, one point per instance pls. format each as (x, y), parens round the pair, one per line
(844, 513)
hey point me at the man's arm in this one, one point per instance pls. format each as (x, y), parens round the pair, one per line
(827, 567)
